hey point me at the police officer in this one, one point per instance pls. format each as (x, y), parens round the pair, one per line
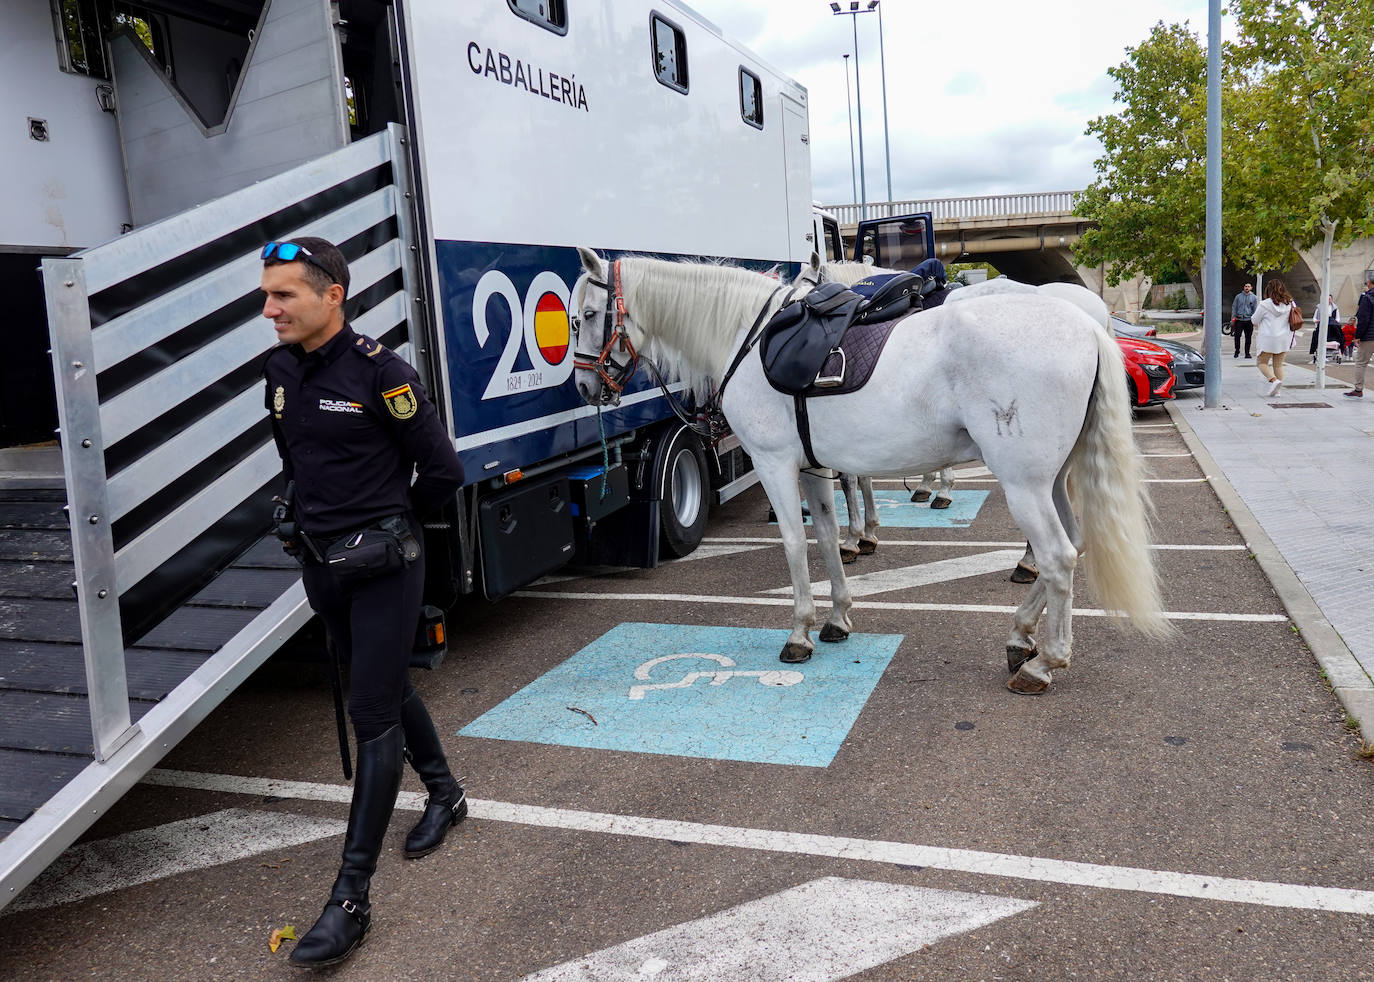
(353, 423)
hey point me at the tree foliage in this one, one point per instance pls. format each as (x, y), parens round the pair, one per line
(1297, 157)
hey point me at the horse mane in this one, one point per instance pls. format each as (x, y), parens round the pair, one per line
(850, 273)
(696, 310)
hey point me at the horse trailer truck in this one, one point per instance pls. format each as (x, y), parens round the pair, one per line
(457, 153)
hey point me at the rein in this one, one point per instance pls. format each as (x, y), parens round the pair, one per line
(615, 375)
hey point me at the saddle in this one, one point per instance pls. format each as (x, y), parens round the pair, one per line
(828, 342)
(807, 348)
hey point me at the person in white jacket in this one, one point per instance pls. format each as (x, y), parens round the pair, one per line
(1273, 337)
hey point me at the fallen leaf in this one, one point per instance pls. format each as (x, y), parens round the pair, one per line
(281, 934)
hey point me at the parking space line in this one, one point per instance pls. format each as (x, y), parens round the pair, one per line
(1038, 869)
(777, 541)
(691, 598)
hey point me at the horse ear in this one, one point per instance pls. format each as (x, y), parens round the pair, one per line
(816, 262)
(591, 262)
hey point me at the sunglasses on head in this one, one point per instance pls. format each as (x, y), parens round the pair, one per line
(290, 251)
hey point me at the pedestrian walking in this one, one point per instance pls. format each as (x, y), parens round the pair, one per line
(352, 424)
(1273, 332)
(1333, 327)
(1364, 335)
(1242, 314)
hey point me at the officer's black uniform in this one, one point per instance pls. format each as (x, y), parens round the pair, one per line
(352, 423)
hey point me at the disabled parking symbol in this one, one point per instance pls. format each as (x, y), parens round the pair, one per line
(696, 691)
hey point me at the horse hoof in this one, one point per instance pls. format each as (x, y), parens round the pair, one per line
(795, 654)
(1026, 685)
(830, 633)
(868, 546)
(920, 496)
(941, 503)
(848, 556)
(1018, 656)
(1024, 574)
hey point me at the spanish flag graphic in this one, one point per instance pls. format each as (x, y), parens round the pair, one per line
(551, 331)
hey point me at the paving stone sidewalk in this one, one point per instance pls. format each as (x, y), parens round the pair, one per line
(1302, 464)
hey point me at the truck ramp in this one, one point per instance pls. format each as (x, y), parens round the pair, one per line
(137, 589)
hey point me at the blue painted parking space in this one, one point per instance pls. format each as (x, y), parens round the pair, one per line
(897, 510)
(693, 691)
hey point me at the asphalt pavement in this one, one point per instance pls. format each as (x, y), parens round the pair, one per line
(656, 797)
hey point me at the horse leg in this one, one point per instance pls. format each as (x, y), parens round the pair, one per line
(850, 545)
(837, 627)
(868, 542)
(1034, 510)
(1021, 645)
(780, 484)
(943, 498)
(1026, 571)
(923, 485)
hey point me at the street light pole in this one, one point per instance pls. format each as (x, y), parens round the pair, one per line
(882, 60)
(853, 13)
(853, 175)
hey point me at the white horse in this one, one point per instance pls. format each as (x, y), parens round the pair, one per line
(860, 537)
(949, 388)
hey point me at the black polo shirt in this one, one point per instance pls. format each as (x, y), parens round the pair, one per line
(353, 423)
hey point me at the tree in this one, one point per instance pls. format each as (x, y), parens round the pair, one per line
(1297, 103)
(1315, 164)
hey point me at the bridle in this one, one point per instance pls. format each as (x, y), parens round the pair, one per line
(614, 374)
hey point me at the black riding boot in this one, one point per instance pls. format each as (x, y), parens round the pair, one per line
(448, 803)
(347, 917)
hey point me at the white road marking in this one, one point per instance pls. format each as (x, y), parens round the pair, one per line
(885, 580)
(691, 598)
(822, 931)
(962, 543)
(1126, 878)
(1153, 426)
(93, 868)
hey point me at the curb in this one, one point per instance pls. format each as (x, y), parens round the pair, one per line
(1353, 686)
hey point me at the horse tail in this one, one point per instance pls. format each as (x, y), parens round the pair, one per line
(1114, 509)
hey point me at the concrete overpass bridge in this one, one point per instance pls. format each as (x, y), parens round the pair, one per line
(1030, 237)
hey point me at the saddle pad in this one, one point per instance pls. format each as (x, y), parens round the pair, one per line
(862, 346)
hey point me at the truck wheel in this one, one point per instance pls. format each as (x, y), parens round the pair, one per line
(686, 494)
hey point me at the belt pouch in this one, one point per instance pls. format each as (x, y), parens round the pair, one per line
(364, 555)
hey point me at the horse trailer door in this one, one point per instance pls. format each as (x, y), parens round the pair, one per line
(217, 110)
(797, 178)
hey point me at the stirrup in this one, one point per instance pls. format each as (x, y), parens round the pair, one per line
(824, 381)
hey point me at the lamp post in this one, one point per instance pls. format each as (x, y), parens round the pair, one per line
(853, 178)
(882, 61)
(853, 13)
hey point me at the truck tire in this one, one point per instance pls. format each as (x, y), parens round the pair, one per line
(686, 494)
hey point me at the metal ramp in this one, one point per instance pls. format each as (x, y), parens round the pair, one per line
(136, 596)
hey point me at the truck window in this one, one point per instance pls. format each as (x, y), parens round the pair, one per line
(82, 31)
(750, 98)
(895, 244)
(549, 14)
(670, 53)
(834, 243)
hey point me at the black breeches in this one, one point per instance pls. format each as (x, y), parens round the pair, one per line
(1243, 327)
(372, 625)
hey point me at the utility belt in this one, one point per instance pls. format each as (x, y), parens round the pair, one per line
(386, 546)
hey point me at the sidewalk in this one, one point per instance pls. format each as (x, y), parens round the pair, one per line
(1299, 485)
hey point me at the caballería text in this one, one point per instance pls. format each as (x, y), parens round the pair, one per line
(515, 73)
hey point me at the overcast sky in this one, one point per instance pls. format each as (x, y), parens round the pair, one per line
(987, 97)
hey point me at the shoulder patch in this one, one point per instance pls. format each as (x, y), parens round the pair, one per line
(401, 401)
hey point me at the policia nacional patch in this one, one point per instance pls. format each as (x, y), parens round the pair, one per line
(400, 401)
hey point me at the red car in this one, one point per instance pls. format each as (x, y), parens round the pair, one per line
(1149, 372)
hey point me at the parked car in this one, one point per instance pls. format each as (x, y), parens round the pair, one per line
(1188, 364)
(1149, 376)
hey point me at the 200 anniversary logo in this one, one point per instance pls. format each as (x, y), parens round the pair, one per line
(515, 73)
